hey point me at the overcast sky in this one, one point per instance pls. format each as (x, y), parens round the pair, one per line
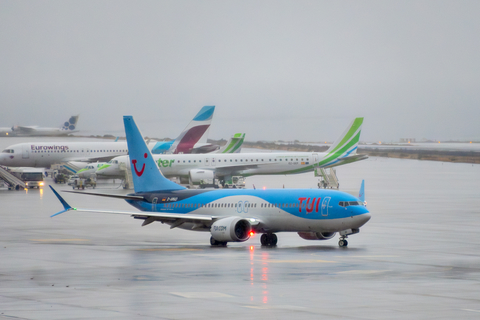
(273, 69)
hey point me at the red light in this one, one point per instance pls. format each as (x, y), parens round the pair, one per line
(251, 233)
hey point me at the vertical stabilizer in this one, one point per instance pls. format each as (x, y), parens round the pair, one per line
(71, 124)
(234, 145)
(195, 132)
(345, 145)
(145, 173)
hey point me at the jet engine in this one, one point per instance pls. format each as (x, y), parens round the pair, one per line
(316, 235)
(198, 176)
(231, 229)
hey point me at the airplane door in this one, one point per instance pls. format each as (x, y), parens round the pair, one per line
(207, 161)
(25, 152)
(315, 157)
(324, 207)
(154, 203)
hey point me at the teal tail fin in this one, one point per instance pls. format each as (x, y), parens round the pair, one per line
(146, 175)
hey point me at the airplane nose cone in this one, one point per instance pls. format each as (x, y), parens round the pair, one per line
(361, 216)
(364, 218)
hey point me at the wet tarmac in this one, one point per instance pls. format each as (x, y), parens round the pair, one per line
(417, 258)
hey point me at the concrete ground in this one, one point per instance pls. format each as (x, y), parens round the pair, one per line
(417, 258)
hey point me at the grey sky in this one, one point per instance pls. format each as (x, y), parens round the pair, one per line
(274, 69)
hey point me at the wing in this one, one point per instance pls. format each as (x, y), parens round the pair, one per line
(173, 219)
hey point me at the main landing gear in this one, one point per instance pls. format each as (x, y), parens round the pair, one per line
(268, 239)
(216, 243)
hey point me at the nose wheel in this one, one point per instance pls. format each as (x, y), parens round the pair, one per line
(268, 239)
(342, 242)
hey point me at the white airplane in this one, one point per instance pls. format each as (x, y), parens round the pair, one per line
(194, 168)
(232, 215)
(44, 154)
(27, 131)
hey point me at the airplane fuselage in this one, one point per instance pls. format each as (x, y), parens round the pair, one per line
(47, 153)
(244, 164)
(279, 210)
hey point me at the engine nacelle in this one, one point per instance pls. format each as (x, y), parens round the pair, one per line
(201, 176)
(316, 235)
(231, 229)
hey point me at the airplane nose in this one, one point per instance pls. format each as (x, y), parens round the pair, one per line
(361, 214)
(363, 218)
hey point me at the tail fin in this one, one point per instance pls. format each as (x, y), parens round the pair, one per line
(145, 173)
(71, 124)
(234, 145)
(361, 194)
(196, 131)
(345, 145)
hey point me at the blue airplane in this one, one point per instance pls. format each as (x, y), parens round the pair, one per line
(233, 215)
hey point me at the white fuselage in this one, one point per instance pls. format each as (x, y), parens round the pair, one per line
(245, 164)
(44, 154)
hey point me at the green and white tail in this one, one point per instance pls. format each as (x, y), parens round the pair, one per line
(344, 150)
(234, 145)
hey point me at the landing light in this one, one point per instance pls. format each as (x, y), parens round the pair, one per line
(251, 234)
(264, 188)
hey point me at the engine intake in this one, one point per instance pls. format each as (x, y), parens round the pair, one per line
(316, 235)
(231, 229)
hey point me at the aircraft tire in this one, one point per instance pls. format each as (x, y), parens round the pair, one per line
(216, 243)
(342, 243)
(263, 239)
(268, 240)
(274, 240)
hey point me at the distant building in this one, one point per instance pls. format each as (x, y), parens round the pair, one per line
(407, 140)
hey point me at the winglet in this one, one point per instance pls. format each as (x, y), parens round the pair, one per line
(66, 206)
(361, 194)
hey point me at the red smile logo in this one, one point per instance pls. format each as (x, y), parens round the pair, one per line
(139, 173)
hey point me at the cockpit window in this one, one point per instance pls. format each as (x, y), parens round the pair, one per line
(8, 151)
(350, 203)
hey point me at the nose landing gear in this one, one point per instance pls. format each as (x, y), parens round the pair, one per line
(342, 242)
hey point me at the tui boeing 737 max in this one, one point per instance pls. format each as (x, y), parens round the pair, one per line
(232, 215)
